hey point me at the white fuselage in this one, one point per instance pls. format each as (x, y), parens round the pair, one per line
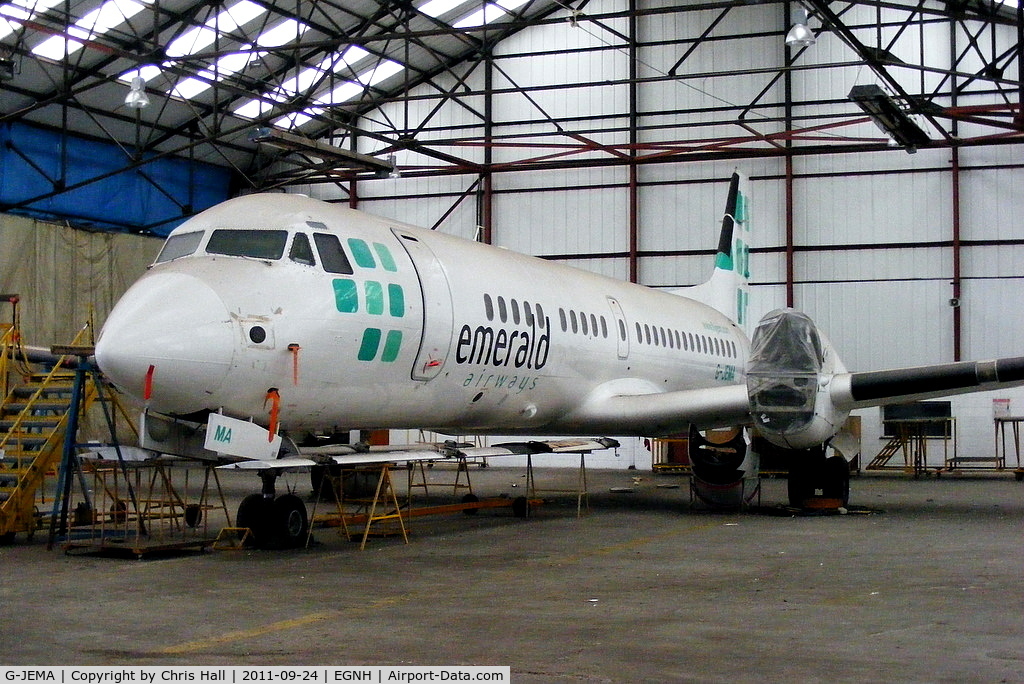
(427, 331)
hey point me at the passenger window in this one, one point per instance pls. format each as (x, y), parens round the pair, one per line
(639, 333)
(301, 251)
(502, 310)
(541, 321)
(593, 324)
(583, 324)
(622, 331)
(180, 245)
(488, 307)
(604, 328)
(561, 319)
(572, 320)
(257, 244)
(332, 256)
(528, 313)
(515, 311)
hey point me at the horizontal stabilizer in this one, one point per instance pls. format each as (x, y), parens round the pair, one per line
(275, 464)
(873, 388)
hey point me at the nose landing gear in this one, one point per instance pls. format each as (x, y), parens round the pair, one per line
(276, 522)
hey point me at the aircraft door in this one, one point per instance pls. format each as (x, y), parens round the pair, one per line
(436, 337)
(621, 329)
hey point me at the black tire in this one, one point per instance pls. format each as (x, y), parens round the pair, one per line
(290, 522)
(254, 513)
(836, 480)
(471, 498)
(7, 539)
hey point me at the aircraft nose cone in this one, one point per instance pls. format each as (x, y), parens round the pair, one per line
(179, 326)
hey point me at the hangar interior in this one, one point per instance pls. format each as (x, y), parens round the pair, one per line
(883, 146)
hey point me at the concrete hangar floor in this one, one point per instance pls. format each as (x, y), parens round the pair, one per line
(929, 587)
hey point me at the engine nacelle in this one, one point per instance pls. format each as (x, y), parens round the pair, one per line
(788, 381)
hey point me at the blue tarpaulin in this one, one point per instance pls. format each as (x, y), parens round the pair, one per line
(101, 194)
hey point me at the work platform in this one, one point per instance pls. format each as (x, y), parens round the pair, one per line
(145, 508)
(384, 513)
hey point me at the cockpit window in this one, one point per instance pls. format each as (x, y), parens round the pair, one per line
(180, 245)
(301, 252)
(332, 256)
(258, 244)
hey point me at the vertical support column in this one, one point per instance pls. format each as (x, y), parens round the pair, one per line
(957, 258)
(955, 181)
(353, 184)
(634, 194)
(485, 206)
(788, 89)
(790, 267)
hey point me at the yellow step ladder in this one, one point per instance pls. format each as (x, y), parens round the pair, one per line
(32, 419)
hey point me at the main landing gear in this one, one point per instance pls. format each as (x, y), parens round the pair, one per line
(812, 476)
(276, 522)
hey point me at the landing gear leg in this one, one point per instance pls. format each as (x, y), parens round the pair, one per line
(276, 522)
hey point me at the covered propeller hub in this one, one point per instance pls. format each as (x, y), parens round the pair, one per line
(168, 342)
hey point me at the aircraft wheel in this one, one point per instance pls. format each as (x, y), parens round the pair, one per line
(254, 513)
(471, 498)
(7, 539)
(291, 524)
(520, 507)
(836, 479)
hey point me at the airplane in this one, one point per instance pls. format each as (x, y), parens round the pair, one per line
(271, 317)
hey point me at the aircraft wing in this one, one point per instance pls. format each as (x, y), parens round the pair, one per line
(664, 413)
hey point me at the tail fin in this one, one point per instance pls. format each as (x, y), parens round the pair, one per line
(728, 288)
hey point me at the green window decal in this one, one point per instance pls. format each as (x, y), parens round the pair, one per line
(396, 300)
(374, 297)
(392, 345)
(384, 255)
(346, 297)
(361, 253)
(370, 344)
